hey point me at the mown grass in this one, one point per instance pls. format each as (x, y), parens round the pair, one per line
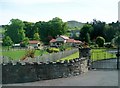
(18, 54)
(100, 54)
(96, 54)
(70, 57)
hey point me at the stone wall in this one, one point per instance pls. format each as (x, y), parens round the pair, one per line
(28, 72)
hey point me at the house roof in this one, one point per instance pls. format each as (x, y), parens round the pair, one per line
(64, 37)
(53, 40)
(33, 42)
(70, 40)
(73, 41)
(77, 41)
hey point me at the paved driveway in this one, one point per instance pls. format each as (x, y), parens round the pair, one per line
(91, 78)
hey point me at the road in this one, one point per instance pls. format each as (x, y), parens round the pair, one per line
(91, 78)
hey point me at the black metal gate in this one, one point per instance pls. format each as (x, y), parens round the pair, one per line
(105, 59)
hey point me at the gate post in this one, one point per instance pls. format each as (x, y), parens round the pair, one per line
(118, 55)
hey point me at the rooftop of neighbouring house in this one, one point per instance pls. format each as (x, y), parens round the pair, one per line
(34, 42)
(64, 37)
(73, 41)
(68, 41)
(53, 40)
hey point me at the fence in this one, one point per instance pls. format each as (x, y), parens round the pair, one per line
(44, 58)
(104, 59)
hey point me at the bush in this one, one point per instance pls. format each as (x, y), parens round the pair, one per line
(51, 50)
(100, 41)
(64, 47)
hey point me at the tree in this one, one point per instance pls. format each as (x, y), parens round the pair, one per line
(57, 27)
(116, 40)
(7, 41)
(36, 36)
(50, 29)
(15, 30)
(29, 29)
(85, 33)
(100, 41)
(98, 29)
(25, 42)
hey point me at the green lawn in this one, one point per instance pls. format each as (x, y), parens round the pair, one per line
(99, 54)
(18, 54)
(72, 56)
(96, 54)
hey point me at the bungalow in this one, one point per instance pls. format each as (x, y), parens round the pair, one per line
(63, 39)
(34, 44)
(59, 41)
(73, 42)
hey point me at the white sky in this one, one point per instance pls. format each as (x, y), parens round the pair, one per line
(44, 10)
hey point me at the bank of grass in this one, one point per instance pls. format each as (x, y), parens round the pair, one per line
(96, 54)
(70, 57)
(18, 54)
(99, 54)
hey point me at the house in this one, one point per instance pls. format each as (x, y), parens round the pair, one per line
(59, 41)
(62, 40)
(34, 44)
(73, 42)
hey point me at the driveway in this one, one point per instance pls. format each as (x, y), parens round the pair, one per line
(91, 78)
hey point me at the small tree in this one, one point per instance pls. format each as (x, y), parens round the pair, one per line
(25, 42)
(100, 41)
(116, 40)
(36, 36)
(7, 41)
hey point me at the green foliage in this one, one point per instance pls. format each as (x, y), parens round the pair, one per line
(30, 29)
(7, 41)
(64, 47)
(50, 29)
(85, 33)
(15, 30)
(18, 30)
(116, 40)
(25, 42)
(51, 50)
(36, 36)
(100, 41)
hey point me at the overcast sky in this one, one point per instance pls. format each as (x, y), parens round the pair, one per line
(44, 10)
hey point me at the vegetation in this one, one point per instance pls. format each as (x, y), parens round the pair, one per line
(7, 41)
(97, 54)
(18, 54)
(70, 57)
(15, 30)
(100, 41)
(51, 50)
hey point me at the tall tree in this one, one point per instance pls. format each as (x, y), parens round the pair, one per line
(29, 29)
(15, 30)
(57, 27)
(98, 29)
(85, 33)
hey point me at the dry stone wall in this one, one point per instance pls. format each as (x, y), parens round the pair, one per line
(20, 72)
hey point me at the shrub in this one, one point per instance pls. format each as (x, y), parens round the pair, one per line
(100, 41)
(51, 50)
(64, 47)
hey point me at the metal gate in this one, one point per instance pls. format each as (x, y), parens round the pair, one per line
(105, 59)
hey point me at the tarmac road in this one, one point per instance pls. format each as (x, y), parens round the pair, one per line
(91, 78)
